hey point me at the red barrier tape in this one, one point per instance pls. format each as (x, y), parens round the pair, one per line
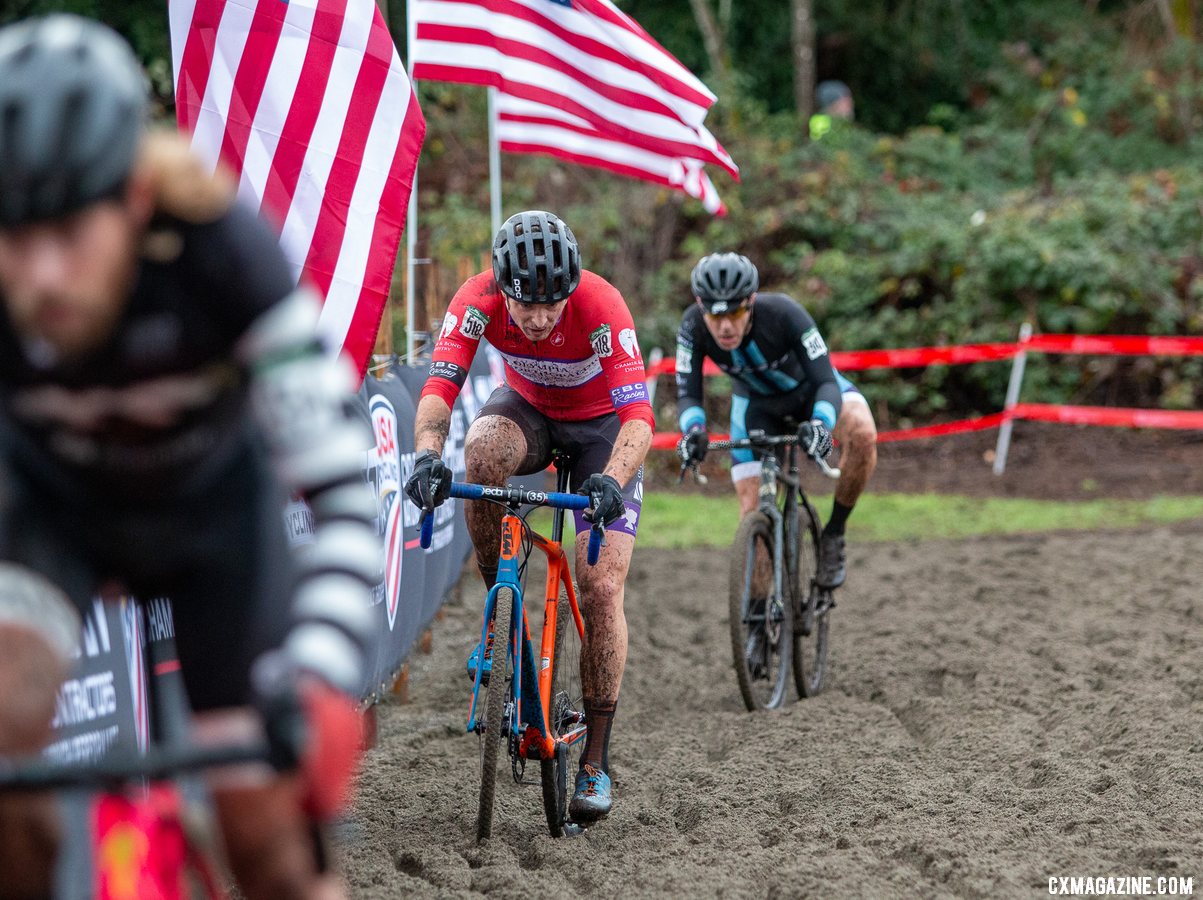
(906, 357)
(959, 354)
(667, 440)
(961, 426)
(914, 357)
(1116, 345)
(1185, 420)
(1100, 345)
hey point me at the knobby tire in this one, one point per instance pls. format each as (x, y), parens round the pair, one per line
(495, 700)
(810, 651)
(565, 679)
(756, 529)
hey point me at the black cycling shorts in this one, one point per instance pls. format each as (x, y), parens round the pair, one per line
(589, 443)
(223, 559)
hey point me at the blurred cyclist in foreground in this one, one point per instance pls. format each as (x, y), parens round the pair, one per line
(574, 382)
(143, 315)
(782, 378)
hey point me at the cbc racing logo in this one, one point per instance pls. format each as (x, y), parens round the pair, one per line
(388, 486)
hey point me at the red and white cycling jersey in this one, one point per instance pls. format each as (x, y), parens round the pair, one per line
(589, 365)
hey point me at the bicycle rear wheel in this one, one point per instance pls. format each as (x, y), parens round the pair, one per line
(811, 608)
(761, 623)
(566, 716)
(494, 725)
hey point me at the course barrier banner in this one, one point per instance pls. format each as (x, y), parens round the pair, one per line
(102, 704)
(414, 582)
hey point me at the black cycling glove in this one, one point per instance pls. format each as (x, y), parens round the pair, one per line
(430, 484)
(814, 438)
(694, 444)
(605, 499)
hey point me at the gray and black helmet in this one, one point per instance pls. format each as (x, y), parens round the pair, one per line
(535, 258)
(722, 280)
(73, 107)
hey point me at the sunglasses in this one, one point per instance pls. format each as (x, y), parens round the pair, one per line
(729, 311)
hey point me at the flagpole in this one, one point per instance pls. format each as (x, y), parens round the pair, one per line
(411, 217)
(494, 163)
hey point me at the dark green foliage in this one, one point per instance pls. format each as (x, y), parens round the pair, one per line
(1014, 159)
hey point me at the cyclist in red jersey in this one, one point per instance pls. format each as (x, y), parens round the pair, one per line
(575, 382)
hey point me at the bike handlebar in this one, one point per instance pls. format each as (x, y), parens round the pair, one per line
(463, 491)
(764, 442)
(159, 763)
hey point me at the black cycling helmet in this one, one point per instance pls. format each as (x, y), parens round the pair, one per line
(535, 258)
(72, 111)
(722, 280)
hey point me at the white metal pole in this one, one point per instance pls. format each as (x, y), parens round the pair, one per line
(494, 163)
(1013, 388)
(653, 360)
(411, 217)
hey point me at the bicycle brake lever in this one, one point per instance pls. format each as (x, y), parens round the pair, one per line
(827, 469)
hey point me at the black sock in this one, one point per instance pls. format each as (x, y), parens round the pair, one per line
(839, 517)
(599, 714)
(489, 574)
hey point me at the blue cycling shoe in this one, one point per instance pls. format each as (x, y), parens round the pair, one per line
(592, 798)
(474, 661)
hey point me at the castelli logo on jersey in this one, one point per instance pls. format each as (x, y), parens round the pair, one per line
(557, 339)
(388, 487)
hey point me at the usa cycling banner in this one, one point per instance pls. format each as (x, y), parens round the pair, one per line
(415, 582)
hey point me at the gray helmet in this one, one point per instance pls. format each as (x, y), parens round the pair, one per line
(535, 258)
(722, 280)
(72, 111)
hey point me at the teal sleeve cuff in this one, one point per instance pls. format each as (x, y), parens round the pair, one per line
(825, 412)
(691, 416)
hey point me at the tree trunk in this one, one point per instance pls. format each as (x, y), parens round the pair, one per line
(802, 39)
(713, 39)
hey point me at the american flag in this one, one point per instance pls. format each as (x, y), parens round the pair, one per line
(577, 79)
(308, 103)
(526, 127)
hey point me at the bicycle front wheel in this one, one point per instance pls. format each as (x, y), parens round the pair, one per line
(761, 621)
(495, 721)
(566, 717)
(811, 607)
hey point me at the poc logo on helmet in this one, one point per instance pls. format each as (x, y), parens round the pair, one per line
(517, 288)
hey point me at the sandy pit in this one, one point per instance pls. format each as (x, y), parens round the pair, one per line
(999, 711)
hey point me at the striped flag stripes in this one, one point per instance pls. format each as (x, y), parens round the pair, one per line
(525, 127)
(308, 103)
(580, 80)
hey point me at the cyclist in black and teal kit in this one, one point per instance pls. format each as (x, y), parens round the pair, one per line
(782, 378)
